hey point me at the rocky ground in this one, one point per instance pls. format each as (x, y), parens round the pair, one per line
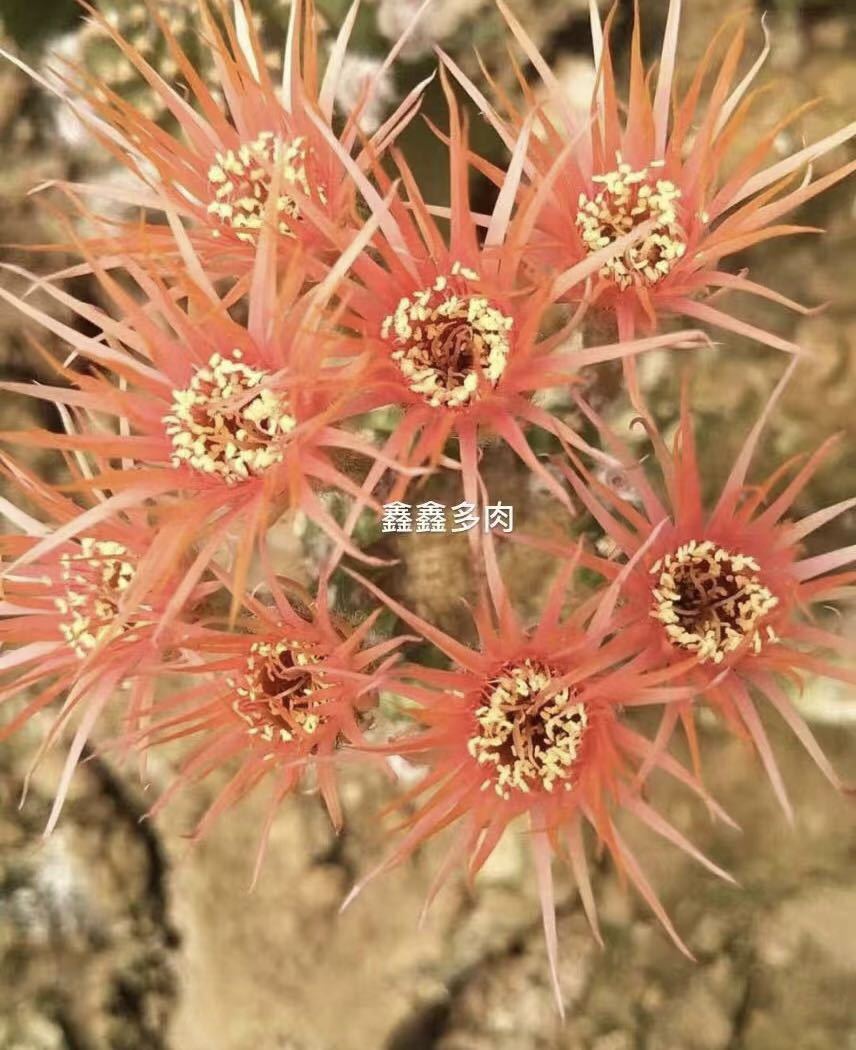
(118, 934)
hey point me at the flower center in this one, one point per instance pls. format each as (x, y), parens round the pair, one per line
(240, 181)
(449, 343)
(711, 601)
(225, 423)
(94, 580)
(628, 200)
(273, 697)
(527, 743)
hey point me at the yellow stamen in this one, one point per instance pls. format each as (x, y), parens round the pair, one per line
(94, 580)
(218, 430)
(627, 200)
(240, 183)
(527, 743)
(449, 343)
(277, 705)
(711, 601)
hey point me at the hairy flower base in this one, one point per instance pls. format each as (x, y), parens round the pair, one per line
(275, 702)
(527, 742)
(93, 582)
(240, 182)
(217, 430)
(628, 200)
(711, 601)
(447, 339)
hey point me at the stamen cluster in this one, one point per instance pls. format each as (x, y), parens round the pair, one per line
(93, 582)
(628, 200)
(274, 701)
(449, 342)
(710, 601)
(241, 181)
(527, 741)
(226, 423)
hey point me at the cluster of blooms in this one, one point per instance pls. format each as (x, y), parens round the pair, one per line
(281, 276)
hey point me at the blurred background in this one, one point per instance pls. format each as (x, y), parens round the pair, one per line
(117, 934)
